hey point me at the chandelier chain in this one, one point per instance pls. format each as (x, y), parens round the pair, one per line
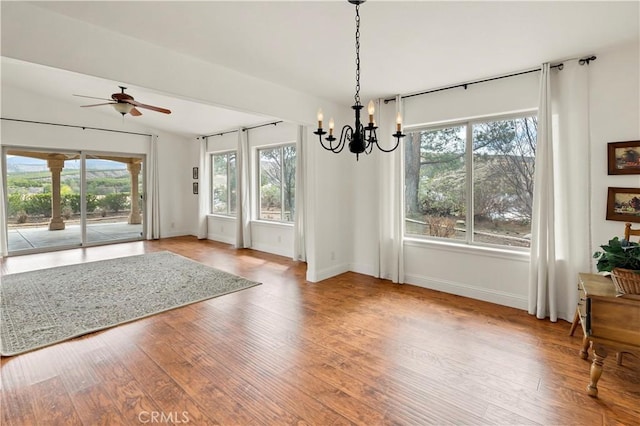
(357, 95)
(361, 137)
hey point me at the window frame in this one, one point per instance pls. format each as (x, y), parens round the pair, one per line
(212, 168)
(469, 182)
(258, 174)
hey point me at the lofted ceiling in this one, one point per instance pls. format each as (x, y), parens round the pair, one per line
(406, 46)
(188, 118)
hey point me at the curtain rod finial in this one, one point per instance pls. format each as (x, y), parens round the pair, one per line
(586, 60)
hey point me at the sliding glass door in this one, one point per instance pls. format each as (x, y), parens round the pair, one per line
(113, 198)
(61, 199)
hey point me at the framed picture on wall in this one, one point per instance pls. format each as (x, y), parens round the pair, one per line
(623, 158)
(623, 204)
(195, 173)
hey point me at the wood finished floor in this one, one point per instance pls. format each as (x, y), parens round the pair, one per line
(349, 350)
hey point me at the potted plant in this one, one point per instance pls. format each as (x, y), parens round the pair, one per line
(622, 259)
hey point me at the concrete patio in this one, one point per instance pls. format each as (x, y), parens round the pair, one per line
(29, 238)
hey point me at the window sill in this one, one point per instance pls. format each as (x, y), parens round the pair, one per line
(461, 248)
(221, 216)
(274, 223)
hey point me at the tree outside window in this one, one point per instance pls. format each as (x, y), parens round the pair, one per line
(223, 183)
(277, 183)
(478, 192)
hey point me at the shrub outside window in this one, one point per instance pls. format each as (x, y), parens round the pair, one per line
(472, 181)
(277, 183)
(223, 183)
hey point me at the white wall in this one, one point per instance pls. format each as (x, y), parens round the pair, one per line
(496, 275)
(174, 152)
(327, 190)
(486, 274)
(343, 199)
(271, 237)
(615, 117)
(39, 36)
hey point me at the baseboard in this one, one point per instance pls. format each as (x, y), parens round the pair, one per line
(487, 295)
(364, 269)
(174, 233)
(323, 274)
(280, 251)
(221, 238)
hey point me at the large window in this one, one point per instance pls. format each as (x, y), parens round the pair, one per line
(277, 183)
(223, 183)
(61, 199)
(472, 181)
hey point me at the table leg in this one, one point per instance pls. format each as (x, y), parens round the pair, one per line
(584, 351)
(619, 356)
(576, 321)
(599, 354)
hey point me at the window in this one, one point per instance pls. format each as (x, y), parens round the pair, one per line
(472, 181)
(277, 183)
(223, 183)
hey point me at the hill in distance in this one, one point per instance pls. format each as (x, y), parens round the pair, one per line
(17, 164)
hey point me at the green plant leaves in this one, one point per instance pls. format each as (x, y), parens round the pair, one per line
(618, 254)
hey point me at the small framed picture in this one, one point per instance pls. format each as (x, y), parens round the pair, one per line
(623, 204)
(195, 172)
(195, 187)
(623, 158)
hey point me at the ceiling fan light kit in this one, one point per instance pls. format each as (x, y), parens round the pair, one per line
(123, 107)
(359, 137)
(126, 104)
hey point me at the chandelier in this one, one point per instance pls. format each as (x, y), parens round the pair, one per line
(360, 138)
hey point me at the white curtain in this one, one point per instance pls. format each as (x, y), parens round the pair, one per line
(153, 191)
(299, 243)
(203, 190)
(391, 184)
(560, 234)
(243, 214)
(4, 238)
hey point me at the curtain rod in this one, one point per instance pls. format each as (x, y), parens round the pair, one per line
(244, 129)
(581, 61)
(77, 127)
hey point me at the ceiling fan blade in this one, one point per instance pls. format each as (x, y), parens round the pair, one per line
(92, 97)
(106, 103)
(151, 107)
(135, 112)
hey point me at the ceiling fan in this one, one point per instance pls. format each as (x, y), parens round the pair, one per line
(125, 104)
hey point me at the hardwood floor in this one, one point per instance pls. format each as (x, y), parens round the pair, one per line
(349, 350)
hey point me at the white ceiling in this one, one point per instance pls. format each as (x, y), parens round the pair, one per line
(406, 46)
(187, 118)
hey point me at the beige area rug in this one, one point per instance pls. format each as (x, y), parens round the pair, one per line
(44, 307)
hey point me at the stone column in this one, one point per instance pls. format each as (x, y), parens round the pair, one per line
(55, 164)
(135, 217)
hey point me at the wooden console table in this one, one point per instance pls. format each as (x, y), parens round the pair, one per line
(608, 321)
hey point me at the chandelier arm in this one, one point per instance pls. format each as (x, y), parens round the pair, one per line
(371, 141)
(345, 135)
(398, 137)
(367, 141)
(369, 149)
(330, 147)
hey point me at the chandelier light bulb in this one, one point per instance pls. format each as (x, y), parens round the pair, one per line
(331, 126)
(371, 109)
(320, 117)
(399, 122)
